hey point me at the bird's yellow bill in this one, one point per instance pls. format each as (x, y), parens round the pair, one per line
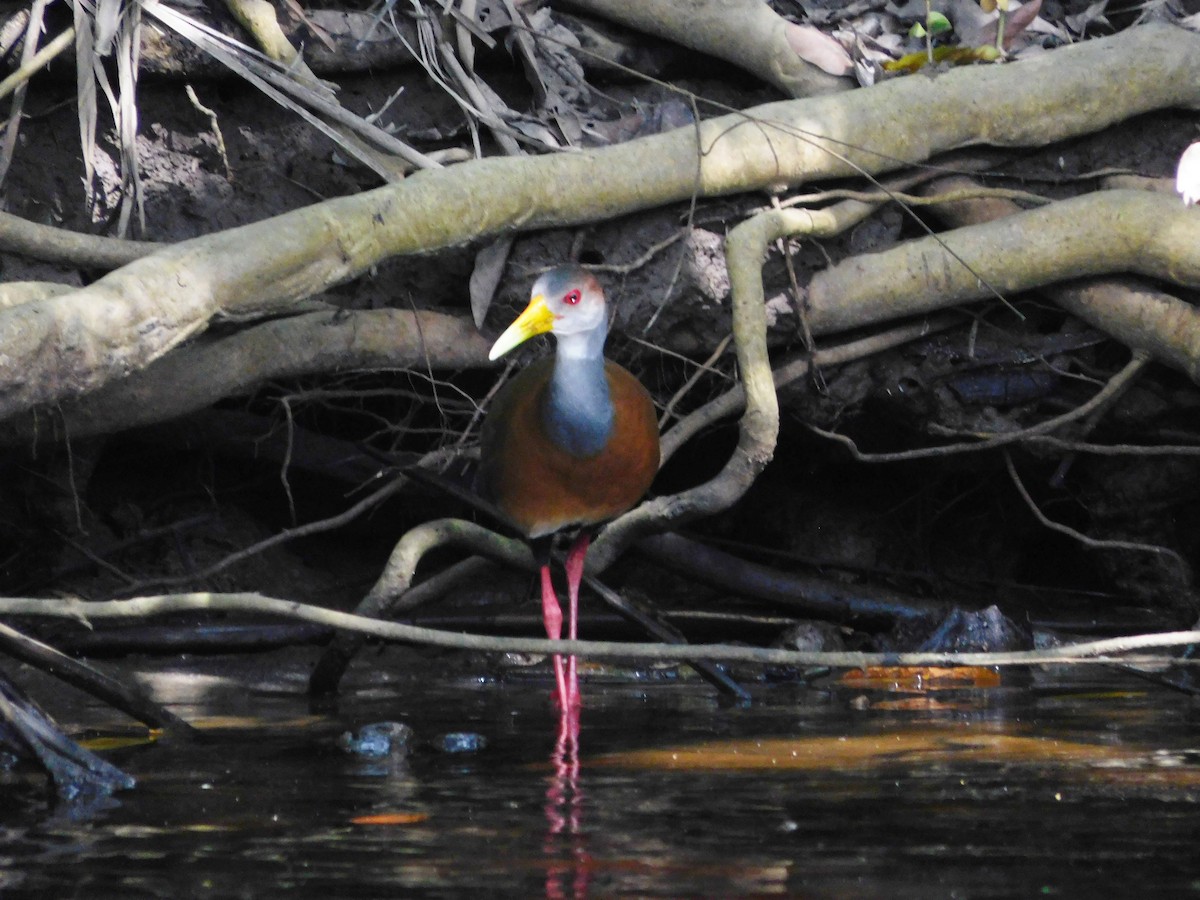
(536, 319)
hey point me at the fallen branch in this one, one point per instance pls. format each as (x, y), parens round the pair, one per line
(90, 680)
(390, 594)
(1098, 652)
(77, 773)
(823, 598)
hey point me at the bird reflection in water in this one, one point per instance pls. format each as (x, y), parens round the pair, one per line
(565, 846)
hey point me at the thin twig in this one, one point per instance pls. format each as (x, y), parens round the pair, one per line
(915, 199)
(992, 440)
(282, 537)
(1115, 449)
(732, 401)
(33, 30)
(1093, 543)
(652, 251)
(95, 558)
(799, 298)
(668, 412)
(40, 60)
(215, 125)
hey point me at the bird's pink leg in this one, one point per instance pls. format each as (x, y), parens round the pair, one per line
(574, 567)
(552, 619)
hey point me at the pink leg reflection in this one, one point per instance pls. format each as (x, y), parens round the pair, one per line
(564, 814)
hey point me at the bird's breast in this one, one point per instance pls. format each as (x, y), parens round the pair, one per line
(540, 484)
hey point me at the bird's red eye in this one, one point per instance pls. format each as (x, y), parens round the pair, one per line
(572, 297)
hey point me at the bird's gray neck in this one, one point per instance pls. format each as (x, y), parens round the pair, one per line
(579, 413)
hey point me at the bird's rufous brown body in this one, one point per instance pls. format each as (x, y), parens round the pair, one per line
(572, 440)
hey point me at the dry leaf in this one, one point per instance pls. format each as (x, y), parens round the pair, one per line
(395, 818)
(922, 678)
(485, 277)
(819, 49)
(1094, 14)
(1020, 19)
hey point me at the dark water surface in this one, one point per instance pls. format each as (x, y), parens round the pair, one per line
(1078, 783)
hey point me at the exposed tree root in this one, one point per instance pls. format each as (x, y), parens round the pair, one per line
(1096, 234)
(123, 352)
(206, 371)
(1142, 236)
(71, 345)
(760, 42)
(58, 245)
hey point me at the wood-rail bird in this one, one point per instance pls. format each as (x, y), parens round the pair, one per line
(571, 441)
